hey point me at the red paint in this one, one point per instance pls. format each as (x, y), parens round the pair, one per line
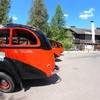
(57, 47)
(39, 58)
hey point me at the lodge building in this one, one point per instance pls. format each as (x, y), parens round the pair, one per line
(86, 39)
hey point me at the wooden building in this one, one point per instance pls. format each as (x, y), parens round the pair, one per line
(83, 38)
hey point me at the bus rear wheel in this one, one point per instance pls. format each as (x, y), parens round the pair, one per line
(7, 84)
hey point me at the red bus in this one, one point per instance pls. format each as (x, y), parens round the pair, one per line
(25, 53)
(57, 47)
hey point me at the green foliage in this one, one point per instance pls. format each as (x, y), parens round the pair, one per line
(58, 19)
(67, 39)
(48, 32)
(55, 31)
(58, 32)
(39, 15)
(67, 43)
(4, 9)
(57, 23)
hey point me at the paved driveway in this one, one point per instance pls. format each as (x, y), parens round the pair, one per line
(78, 79)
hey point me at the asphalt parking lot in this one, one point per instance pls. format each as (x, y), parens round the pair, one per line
(78, 79)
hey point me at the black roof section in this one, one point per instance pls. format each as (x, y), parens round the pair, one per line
(21, 26)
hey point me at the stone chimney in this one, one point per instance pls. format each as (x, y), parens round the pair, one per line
(93, 31)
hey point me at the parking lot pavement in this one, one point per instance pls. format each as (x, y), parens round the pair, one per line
(78, 79)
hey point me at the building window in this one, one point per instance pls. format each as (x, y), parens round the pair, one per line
(88, 37)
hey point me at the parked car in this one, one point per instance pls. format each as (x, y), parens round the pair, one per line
(57, 47)
(25, 53)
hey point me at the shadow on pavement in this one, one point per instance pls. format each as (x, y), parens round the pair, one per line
(27, 84)
(58, 60)
(62, 54)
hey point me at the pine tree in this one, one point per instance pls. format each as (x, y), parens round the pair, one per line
(59, 17)
(58, 32)
(4, 10)
(57, 24)
(39, 15)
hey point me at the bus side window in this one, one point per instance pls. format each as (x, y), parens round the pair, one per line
(23, 37)
(4, 36)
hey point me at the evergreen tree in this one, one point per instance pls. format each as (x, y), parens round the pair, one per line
(58, 18)
(57, 24)
(58, 32)
(38, 15)
(4, 10)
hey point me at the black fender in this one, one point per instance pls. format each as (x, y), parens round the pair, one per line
(8, 67)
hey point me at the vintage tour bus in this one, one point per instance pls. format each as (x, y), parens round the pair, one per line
(25, 53)
(57, 48)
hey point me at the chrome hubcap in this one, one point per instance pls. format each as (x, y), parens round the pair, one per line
(4, 84)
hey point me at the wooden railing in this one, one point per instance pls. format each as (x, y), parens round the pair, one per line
(77, 41)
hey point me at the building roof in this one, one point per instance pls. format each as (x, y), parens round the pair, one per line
(84, 31)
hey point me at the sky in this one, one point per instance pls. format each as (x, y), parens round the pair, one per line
(77, 13)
